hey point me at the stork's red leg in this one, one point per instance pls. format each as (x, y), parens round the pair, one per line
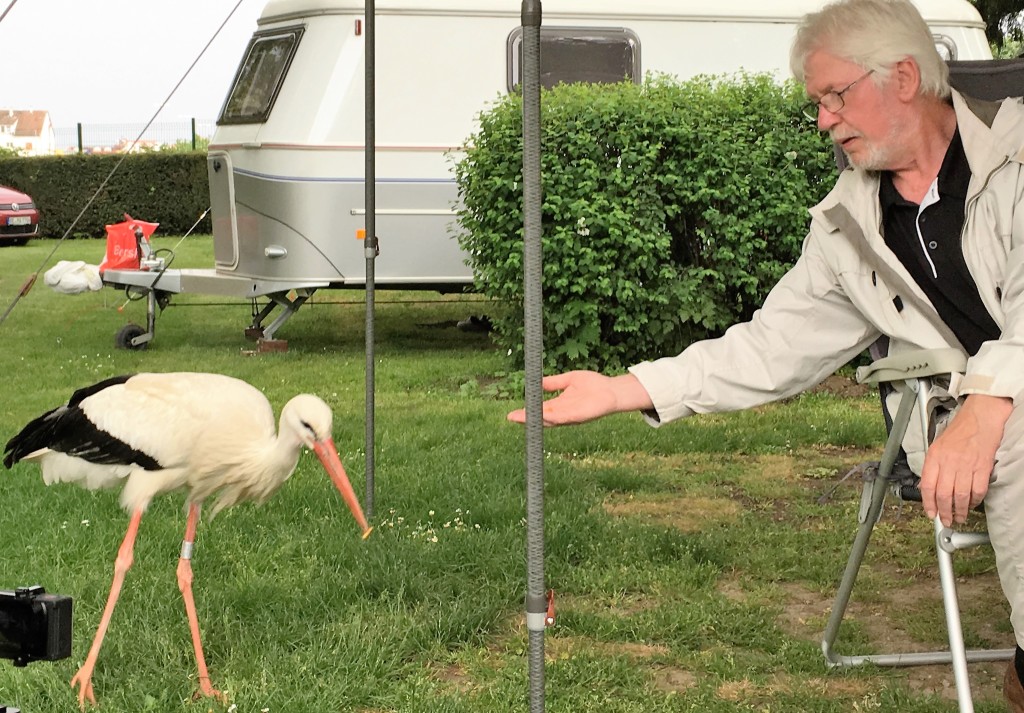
(185, 585)
(125, 556)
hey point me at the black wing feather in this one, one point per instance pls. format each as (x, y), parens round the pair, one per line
(86, 391)
(35, 435)
(67, 429)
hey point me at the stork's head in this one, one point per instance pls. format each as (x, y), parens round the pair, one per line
(310, 419)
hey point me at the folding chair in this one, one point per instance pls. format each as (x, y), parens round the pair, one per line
(912, 375)
(988, 78)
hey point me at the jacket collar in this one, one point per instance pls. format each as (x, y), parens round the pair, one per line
(993, 132)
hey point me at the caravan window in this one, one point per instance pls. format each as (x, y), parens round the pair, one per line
(579, 54)
(259, 77)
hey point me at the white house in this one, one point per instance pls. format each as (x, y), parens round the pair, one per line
(30, 132)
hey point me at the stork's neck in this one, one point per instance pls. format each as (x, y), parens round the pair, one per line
(285, 451)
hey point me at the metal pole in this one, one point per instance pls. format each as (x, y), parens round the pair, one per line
(193, 133)
(947, 579)
(536, 602)
(370, 246)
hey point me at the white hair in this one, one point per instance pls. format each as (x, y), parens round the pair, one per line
(875, 34)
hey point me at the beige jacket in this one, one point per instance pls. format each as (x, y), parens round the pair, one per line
(847, 289)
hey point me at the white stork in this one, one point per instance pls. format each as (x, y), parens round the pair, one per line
(209, 433)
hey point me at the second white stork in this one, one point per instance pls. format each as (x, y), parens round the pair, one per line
(152, 433)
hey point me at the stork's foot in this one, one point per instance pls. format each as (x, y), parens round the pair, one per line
(83, 679)
(206, 690)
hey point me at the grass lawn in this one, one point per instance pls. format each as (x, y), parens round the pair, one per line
(693, 565)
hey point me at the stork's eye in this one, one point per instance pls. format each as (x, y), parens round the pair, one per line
(312, 431)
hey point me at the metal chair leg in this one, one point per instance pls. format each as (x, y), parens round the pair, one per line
(871, 508)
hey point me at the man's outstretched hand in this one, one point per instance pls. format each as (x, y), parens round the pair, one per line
(588, 395)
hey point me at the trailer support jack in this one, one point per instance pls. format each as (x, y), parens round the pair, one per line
(289, 306)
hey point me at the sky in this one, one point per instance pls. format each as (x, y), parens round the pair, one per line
(116, 61)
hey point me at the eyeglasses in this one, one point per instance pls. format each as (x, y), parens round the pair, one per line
(831, 102)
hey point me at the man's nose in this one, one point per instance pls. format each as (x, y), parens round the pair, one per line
(826, 119)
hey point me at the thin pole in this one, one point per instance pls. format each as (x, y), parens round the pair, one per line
(536, 602)
(370, 246)
(7, 10)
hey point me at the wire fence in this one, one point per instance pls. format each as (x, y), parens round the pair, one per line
(117, 138)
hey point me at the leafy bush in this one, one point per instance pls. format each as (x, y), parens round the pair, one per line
(168, 187)
(669, 211)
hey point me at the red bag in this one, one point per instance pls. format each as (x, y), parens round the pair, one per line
(125, 241)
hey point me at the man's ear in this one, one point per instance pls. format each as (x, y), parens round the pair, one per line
(907, 77)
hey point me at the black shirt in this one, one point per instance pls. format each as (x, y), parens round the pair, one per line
(935, 257)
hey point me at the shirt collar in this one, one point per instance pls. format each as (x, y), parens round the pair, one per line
(954, 177)
(955, 173)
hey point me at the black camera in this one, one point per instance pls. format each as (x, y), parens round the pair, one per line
(34, 625)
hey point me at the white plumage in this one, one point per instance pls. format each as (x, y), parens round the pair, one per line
(152, 433)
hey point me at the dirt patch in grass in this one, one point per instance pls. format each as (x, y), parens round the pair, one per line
(671, 466)
(674, 679)
(804, 613)
(854, 454)
(731, 589)
(561, 647)
(452, 675)
(685, 513)
(783, 684)
(843, 386)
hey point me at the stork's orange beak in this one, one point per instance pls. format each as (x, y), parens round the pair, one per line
(328, 455)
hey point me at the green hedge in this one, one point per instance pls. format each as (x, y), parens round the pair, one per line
(670, 209)
(169, 188)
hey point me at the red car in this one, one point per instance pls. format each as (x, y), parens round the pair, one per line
(19, 218)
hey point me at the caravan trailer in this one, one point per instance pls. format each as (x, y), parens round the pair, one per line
(286, 163)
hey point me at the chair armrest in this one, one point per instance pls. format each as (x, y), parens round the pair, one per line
(912, 365)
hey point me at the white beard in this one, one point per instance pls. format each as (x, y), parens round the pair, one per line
(876, 156)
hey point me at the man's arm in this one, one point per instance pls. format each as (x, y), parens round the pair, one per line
(588, 395)
(959, 463)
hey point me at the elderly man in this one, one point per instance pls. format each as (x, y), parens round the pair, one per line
(921, 241)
